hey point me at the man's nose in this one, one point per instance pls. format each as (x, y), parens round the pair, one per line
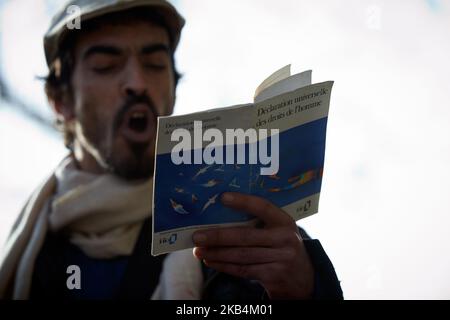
(134, 82)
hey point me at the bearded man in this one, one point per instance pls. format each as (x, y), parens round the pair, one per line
(108, 82)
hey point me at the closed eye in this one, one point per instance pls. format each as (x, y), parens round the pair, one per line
(104, 69)
(155, 66)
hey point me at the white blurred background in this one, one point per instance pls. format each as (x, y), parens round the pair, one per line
(384, 215)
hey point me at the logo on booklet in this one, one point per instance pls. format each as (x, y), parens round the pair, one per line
(173, 238)
(170, 240)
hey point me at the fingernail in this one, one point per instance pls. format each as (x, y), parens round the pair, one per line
(198, 253)
(227, 197)
(199, 238)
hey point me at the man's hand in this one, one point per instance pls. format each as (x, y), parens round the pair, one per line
(274, 255)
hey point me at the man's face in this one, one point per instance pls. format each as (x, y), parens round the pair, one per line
(123, 79)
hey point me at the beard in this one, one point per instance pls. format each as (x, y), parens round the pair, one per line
(101, 137)
(138, 164)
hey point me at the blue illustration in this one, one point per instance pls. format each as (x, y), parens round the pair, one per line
(187, 195)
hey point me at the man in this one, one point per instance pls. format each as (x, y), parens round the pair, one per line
(108, 83)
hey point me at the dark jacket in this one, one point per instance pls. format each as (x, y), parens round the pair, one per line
(142, 270)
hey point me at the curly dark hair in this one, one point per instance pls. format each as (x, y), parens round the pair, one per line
(58, 80)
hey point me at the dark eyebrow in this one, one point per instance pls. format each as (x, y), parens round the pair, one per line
(110, 50)
(149, 49)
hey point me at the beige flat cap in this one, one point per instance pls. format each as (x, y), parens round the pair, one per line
(89, 9)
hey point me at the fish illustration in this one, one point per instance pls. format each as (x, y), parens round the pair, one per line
(303, 178)
(234, 183)
(181, 174)
(297, 181)
(211, 201)
(178, 207)
(211, 183)
(194, 198)
(201, 171)
(220, 168)
(180, 190)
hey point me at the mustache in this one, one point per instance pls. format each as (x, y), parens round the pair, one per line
(128, 104)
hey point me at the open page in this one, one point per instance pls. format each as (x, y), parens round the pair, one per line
(275, 77)
(288, 84)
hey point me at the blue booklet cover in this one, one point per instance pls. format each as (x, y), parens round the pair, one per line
(279, 157)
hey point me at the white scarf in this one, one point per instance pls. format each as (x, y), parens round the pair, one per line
(102, 215)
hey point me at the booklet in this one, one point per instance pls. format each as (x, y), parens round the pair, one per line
(272, 148)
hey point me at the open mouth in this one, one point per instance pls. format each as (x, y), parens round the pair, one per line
(139, 124)
(138, 121)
